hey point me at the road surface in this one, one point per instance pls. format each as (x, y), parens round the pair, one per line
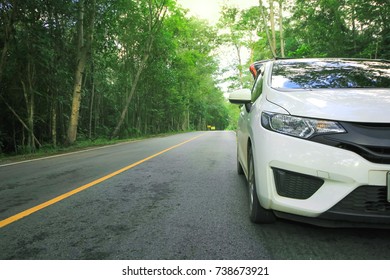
(184, 203)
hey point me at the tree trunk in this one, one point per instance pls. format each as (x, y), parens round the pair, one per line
(281, 29)
(29, 97)
(21, 121)
(272, 22)
(188, 117)
(353, 20)
(262, 14)
(76, 100)
(54, 122)
(91, 107)
(240, 73)
(130, 96)
(83, 47)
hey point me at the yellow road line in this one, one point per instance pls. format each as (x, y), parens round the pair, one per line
(34, 209)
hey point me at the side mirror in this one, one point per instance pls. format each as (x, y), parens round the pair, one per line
(241, 96)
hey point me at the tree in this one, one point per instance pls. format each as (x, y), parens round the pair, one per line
(281, 32)
(242, 31)
(272, 24)
(84, 41)
(269, 38)
(91, 69)
(8, 11)
(349, 28)
(275, 29)
(155, 19)
(230, 21)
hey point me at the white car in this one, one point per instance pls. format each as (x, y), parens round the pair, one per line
(313, 141)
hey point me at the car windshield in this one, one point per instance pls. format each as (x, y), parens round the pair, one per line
(314, 74)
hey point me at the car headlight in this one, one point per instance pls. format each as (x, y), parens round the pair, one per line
(299, 127)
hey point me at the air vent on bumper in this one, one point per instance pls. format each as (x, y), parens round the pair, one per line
(296, 185)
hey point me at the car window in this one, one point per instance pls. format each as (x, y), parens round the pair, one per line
(258, 86)
(330, 74)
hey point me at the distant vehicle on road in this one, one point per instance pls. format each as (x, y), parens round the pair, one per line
(313, 141)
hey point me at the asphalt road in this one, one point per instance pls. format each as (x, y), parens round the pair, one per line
(186, 203)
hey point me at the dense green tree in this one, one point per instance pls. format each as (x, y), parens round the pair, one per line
(306, 28)
(92, 68)
(348, 28)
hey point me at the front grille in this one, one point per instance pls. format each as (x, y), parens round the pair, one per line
(369, 140)
(373, 154)
(385, 126)
(365, 200)
(296, 185)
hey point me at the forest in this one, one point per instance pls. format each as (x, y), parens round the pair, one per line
(115, 69)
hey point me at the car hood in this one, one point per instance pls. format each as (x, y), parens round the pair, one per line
(354, 105)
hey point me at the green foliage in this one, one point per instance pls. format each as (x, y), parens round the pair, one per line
(176, 90)
(348, 28)
(233, 114)
(312, 28)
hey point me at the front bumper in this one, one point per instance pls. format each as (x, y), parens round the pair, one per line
(366, 206)
(336, 221)
(323, 182)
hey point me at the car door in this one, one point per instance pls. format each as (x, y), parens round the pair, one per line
(243, 125)
(242, 137)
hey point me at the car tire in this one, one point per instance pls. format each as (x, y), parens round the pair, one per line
(257, 213)
(240, 170)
